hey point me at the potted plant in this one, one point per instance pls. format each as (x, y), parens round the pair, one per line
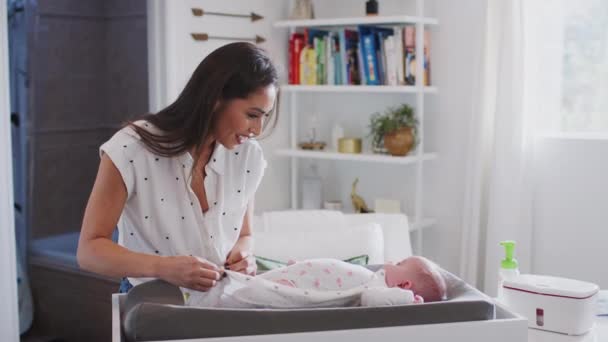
(395, 130)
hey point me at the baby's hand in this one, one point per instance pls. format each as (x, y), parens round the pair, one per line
(241, 261)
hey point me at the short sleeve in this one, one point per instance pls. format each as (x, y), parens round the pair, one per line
(121, 149)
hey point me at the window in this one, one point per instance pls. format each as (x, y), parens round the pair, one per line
(584, 90)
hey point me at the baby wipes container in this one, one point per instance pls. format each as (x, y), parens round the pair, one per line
(550, 303)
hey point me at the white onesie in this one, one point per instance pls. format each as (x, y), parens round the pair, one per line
(310, 283)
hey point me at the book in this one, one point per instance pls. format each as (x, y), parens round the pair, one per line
(368, 54)
(362, 80)
(409, 44)
(290, 69)
(349, 42)
(409, 41)
(329, 61)
(308, 66)
(336, 58)
(390, 50)
(319, 47)
(372, 52)
(427, 58)
(296, 44)
(399, 58)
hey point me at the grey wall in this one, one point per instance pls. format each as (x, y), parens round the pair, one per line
(88, 74)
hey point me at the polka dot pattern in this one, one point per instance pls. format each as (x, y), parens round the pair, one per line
(162, 219)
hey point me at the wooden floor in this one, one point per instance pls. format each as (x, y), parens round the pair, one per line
(69, 304)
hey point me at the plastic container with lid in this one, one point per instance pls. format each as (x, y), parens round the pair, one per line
(551, 303)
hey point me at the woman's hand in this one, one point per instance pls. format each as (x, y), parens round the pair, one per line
(241, 261)
(188, 271)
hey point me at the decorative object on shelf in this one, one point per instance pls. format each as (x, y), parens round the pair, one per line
(202, 37)
(358, 202)
(302, 9)
(349, 145)
(311, 189)
(371, 7)
(199, 12)
(399, 142)
(311, 142)
(396, 130)
(337, 132)
(315, 146)
(332, 205)
(387, 206)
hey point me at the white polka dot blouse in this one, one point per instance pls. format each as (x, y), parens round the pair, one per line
(162, 215)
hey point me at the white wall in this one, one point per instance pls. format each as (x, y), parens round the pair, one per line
(571, 210)
(9, 320)
(178, 55)
(455, 45)
(456, 59)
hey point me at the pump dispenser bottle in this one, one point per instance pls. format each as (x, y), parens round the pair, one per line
(508, 266)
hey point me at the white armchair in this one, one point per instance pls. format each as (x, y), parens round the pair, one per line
(304, 234)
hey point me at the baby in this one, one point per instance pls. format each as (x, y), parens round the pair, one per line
(328, 283)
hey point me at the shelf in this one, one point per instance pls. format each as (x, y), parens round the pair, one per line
(424, 223)
(355, 89)
(373, 158)
(374, 20)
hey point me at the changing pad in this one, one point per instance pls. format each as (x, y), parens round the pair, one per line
(155, 311)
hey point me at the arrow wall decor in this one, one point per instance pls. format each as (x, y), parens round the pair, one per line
(201, 37)
(199, 12)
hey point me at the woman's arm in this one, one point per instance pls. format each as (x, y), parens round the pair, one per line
(241, 258)
(96, 250)
(99, 254)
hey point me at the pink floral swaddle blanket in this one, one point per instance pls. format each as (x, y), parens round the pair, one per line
(305, 284)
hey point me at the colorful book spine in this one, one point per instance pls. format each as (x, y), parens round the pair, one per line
(329, 61)
(350, 60)
(362, 79)
(290, 70)
(427, 58)
(391, 61)
(296, 44)
(409, 43)
(399, 59)
(382, 34)
(369, 55)
(337, 59)
(308, 66)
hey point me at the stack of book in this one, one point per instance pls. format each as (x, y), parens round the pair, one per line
(367, 55)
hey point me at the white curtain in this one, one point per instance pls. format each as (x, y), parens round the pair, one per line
(517, 100)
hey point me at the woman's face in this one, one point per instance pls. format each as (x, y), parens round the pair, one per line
(240, 117)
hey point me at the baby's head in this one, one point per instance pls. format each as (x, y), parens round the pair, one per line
(419, 275)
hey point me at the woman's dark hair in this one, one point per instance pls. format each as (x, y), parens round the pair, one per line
(233, 71)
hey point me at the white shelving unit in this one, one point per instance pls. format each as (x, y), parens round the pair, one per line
(365, 157)
(417, 160)
(372, 20)
(292, 88)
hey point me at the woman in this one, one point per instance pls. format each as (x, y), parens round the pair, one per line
(180, 183)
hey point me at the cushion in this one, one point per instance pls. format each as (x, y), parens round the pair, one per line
(395, 229)
(322, 242)
(301, 220)
(156, 313)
